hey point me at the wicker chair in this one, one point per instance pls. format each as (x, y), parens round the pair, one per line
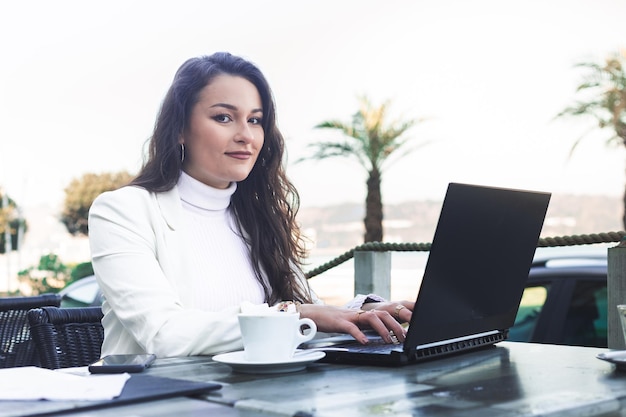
(16, 347)
(67, 337)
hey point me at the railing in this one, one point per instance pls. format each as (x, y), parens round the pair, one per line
(372, 270)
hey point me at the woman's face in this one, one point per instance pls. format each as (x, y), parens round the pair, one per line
(225, 132)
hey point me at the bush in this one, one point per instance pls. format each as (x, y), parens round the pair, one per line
(51, 275)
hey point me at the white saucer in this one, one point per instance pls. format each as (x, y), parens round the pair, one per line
(616, 357)
(299, 361)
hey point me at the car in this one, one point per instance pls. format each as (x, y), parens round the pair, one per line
(565, 301)
(84, 292)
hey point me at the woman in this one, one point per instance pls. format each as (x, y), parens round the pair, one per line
(208, 224)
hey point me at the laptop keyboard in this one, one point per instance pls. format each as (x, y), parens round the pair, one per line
(375, 345)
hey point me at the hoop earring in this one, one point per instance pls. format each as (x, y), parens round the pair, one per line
(182, 153)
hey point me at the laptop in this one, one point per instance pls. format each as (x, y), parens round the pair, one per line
(474, 278)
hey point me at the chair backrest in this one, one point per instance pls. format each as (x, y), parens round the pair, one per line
(67, 337)
(16, 347)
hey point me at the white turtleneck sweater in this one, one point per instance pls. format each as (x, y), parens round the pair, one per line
(218, 263)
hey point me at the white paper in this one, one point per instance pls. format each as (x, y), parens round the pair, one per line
(32, 383)
(248, 308)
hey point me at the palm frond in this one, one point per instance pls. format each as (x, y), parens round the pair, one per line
(369, 136)
(605, 86)
(326, 150)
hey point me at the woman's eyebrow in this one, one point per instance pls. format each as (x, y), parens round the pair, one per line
(225, 105)
(234, 108)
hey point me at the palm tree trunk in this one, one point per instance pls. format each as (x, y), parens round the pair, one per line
(623, 136)
(373, 209)
(624, 212)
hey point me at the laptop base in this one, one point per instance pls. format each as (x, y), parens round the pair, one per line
(357, 354)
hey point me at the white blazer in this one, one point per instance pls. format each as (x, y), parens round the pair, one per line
(138, 261)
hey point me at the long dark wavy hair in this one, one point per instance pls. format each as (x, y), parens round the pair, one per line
(265, 203)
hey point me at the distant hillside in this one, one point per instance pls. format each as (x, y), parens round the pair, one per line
(339, 228)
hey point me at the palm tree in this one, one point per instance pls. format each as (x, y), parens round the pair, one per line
(371, 140)
(605, 85)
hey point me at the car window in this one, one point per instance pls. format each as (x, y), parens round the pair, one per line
(601, 324)
(532, 302)
(586, 320)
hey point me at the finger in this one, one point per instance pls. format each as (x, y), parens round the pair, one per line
(382, 322)
(409, 304)
(402, 313)
(391, 324)
(354, 331)
(376, 323)
(405, 315)
(352, 324)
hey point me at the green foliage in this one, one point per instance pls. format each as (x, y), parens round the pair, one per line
(51, 275)
(10, 217)
(52, 263)
(81, 270)
(81, 193)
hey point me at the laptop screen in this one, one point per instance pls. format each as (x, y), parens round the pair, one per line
(478, 264)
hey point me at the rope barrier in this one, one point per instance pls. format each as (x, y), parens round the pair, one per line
(425, 247)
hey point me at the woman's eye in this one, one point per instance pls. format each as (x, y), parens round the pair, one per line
(222, 118)
(255, 120)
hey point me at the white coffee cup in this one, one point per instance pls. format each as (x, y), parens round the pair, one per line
(273, 336)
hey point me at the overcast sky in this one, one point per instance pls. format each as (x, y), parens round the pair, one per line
(81, 83)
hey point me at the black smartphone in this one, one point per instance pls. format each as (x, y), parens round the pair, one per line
(117, 364)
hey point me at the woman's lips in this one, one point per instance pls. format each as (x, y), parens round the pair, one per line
(239, 155)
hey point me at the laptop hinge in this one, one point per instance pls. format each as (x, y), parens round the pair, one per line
(457, 339)
(456, 345)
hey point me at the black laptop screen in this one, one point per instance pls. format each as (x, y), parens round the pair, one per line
(479, 261)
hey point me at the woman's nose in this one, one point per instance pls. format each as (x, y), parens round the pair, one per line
(244, 133)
